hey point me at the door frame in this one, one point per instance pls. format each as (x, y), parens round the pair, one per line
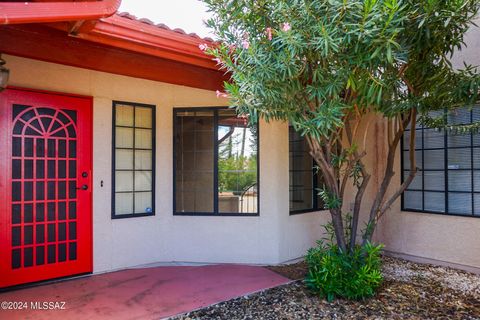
(5, 166)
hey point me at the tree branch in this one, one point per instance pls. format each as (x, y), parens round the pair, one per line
(389, 173)
(413, 169)
(356, 210)
(389, 130)
(328, 171)
(360, 189)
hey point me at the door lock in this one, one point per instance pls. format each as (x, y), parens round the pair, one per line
(84, 187)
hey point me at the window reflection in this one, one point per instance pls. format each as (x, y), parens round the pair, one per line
(215, 163)
(237, 164)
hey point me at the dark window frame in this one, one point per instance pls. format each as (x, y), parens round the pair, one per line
(153, 170)
(215, 212)
(445, 170)
(316, 206)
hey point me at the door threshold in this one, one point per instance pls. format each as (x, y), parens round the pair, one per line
(45, 282)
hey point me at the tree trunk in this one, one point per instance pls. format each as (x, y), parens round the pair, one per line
(339, 228)
(321, 151)
(356, 211)
(331, 181)
(378, 206)
(357, 159)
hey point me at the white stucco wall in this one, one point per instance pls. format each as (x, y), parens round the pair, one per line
(270, 238)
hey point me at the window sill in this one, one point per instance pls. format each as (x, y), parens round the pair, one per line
(297, 212)
(461, 215)
(211, 214)
(133, 215)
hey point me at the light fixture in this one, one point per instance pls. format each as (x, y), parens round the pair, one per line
(4, 74)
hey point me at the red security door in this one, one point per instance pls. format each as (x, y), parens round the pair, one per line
(45, 186)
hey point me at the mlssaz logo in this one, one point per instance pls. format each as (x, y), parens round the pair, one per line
(45, 305)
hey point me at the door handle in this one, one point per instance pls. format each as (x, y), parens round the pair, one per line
(84, 187)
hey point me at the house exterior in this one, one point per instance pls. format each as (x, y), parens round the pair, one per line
(117, 152)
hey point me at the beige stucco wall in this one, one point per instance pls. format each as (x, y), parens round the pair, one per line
(297, 232)
(450, 239)
(272, 237)
(441, 239)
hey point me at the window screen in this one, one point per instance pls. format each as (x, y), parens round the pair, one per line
(216, 155)
(448, 181)
(133, 178)
(304, 178)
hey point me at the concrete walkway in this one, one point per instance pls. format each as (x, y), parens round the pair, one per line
(147, 293)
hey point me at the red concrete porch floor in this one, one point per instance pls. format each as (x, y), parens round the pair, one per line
(147, 293)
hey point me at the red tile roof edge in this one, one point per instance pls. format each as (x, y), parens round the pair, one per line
(127, 15)
(47, 12)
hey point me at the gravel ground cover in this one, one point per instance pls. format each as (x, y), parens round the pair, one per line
(410, 291)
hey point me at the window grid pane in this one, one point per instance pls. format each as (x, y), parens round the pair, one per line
(304, 180)
(237, 164)
(215, 163)
(194, 163)
(133, 156)
(450, 178)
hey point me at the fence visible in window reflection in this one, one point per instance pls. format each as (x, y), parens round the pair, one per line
(237, 164)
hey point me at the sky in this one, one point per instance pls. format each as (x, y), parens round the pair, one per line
(184, 14)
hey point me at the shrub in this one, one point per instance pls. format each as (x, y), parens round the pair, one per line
(352, 275)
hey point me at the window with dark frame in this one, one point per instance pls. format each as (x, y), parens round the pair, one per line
(448, 180)
(215, 163)
(304, 178)
(133, 165)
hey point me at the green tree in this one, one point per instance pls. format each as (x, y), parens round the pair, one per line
(244, 171)
(325, 65)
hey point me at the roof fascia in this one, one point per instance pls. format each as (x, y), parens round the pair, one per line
(47, 44)
(147, 39)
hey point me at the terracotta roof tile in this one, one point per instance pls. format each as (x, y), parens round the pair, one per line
(163, 26)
